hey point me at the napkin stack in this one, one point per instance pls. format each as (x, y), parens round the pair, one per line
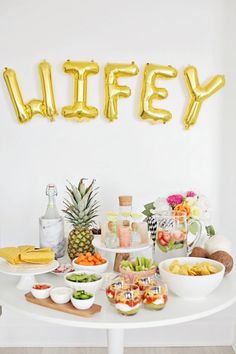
(27, 254)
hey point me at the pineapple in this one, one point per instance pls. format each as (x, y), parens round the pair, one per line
(81, 210)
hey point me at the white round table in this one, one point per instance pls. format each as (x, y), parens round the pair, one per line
(178, 310)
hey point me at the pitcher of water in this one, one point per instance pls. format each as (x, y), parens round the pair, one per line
(173, 236)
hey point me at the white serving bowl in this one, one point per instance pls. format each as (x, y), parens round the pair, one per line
(189, 286)
(101, 268)
(90, 287)
(41, 293)
(61, 295)
(82, 304)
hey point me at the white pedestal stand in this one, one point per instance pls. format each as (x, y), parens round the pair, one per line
(26, 272)
(26, 282)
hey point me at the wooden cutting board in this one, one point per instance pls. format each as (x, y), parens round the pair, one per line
(68, 308)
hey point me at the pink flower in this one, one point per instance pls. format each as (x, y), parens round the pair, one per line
(191, 194)
(175, 199)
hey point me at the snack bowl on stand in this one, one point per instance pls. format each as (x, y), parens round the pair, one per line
(140, 268)
(98, 264)
(82, 300)
(182, 276)
(88, 281)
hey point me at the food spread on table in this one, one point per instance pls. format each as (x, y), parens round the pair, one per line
(137, 287)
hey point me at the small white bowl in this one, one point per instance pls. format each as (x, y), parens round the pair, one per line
(61, 295)
(41, 293)
(82, 304)
(90, 287)
(190, 286)
(101, 268)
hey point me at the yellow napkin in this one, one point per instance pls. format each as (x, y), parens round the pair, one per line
(40, 256)
(27, 254)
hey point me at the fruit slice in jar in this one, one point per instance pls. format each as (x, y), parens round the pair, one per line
(155, 297)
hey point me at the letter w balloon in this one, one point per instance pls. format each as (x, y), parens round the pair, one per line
(25, 111)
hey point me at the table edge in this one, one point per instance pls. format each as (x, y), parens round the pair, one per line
(112, 325)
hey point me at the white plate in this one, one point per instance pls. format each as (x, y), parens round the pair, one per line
(101, 246)
(26, 269)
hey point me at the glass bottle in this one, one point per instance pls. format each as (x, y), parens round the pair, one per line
(51, 225)
(111, 240)
(124, 220)
(136, 237)
(51, 211)
(125, 203)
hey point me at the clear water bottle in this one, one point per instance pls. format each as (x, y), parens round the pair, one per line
(51, 225)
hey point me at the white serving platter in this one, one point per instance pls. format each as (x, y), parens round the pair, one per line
(26, 272)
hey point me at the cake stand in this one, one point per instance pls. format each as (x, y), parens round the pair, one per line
(26, 272)
(121, 252)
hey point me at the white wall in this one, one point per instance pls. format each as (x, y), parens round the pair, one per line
(127, 156)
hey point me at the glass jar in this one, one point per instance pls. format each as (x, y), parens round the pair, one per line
(128, 300)
(115, 284)
(136, 237)
(143, 232)
(155, 297)
(110, 239)
(145, 282)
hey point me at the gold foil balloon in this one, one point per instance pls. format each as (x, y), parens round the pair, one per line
(25, 111)
(198, 94)
(49, 106)
(80, 70)
(151, 92)
(114, 91)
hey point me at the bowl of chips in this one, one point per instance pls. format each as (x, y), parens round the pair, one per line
(191, 277)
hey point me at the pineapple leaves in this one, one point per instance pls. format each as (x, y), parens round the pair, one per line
(81, 208)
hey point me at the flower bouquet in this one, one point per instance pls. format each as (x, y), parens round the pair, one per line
(195, 207)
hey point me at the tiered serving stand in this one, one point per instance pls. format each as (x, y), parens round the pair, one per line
(98, 244)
